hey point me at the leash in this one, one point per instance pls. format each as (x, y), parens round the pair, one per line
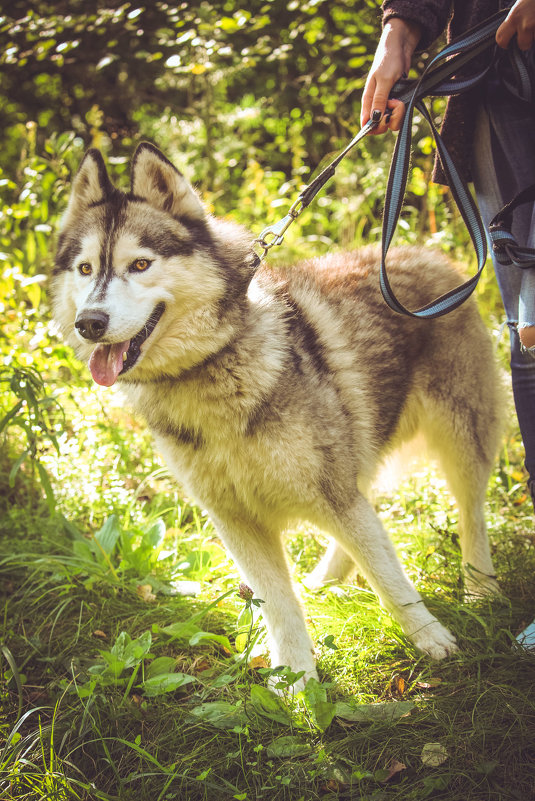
(274, 234)
(504, 245)
(438, 79)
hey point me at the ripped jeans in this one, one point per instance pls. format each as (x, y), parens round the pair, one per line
(504, 164)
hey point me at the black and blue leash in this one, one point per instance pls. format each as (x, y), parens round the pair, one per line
(438, 79)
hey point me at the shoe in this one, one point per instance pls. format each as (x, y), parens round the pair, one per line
(526, 638)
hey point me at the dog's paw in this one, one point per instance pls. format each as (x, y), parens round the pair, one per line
(435, 640)
(479, 586)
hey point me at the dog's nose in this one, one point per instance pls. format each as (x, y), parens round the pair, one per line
(92, 324)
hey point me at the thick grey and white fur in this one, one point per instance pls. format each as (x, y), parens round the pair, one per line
(274, 394)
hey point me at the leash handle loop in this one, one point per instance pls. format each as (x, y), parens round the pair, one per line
(504, 244)
(438, 79)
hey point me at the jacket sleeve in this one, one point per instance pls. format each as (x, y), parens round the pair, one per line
(431, 15)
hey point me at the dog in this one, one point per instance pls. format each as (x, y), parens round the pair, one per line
(274, 394)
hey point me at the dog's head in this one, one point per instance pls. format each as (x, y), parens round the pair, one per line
(138, 275)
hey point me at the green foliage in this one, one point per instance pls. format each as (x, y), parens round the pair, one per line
(37, 415)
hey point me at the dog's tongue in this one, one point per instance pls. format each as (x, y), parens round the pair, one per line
(106, 362)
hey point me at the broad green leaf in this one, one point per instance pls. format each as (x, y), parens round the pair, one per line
(203, 636)
(221, 714)
(322, 711)
(155, 535)
(165, 683)
(129, 651)
(385, 712)
(47, 486)
(108, 535)
(137, 649)
(162, 664)
(268, 704)
(178, 631)
(288, 746)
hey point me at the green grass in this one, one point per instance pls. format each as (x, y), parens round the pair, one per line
(174, 709)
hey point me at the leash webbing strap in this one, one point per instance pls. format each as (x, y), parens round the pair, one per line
(437, 80)
(506, 249)
(274, 234)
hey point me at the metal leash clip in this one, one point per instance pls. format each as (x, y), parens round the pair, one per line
(278, 229)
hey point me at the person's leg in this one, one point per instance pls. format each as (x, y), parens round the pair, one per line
(504, 163)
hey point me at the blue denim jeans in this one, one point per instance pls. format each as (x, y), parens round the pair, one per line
(504, 164)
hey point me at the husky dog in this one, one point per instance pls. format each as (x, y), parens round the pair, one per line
(275, 393)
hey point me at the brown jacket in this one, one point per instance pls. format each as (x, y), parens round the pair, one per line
(433, 16)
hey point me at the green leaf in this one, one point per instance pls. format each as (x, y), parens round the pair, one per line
(155, 535)
(16, 466)
(330, 643)
(269, 705)
(177, 631)
(108, 535)
(165, 683)
(385, 712)
(203, 636)
(221, 714)
(162, 664)
(47, 486)
(288, 746)
(434, 754)
(10, 415)
(82, 550)
(322, 711)
(129, 651)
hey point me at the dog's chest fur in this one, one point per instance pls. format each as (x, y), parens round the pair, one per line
(225, 426)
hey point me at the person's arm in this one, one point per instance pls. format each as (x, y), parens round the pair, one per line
(519, 21)
(392, 60)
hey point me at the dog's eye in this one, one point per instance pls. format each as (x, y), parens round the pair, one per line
(140, 265)
(85, 268)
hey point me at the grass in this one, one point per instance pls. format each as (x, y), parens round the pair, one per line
(115, 686)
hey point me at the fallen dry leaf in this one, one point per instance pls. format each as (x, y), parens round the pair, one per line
(392, 770)
(434, 754)
(145, 592)
(397, 684)
(258, 662)
(426, 685)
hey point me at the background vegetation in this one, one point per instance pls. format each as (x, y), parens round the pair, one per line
(114, 684)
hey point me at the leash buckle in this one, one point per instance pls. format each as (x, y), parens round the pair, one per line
(274, 234)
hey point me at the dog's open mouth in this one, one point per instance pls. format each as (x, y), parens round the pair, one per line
(107, 362)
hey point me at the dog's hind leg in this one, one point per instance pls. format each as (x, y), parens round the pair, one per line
(361, 533)
(464, 444)
(259, 555)
(334, 565)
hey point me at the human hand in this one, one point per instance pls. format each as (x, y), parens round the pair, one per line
(392, 60)
(519, 21)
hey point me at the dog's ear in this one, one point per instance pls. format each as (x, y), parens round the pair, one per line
(91, 184)
(156, 180)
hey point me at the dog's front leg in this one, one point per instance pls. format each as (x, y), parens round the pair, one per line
(259, 555)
